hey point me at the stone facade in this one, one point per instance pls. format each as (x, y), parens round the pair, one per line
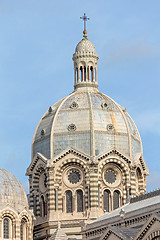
(87, 156)
(139, 219)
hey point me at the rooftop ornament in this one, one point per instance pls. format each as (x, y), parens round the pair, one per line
(84, 18)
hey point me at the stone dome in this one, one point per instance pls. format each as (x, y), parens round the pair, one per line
(85, 46)
(88, 121)
(11, 191)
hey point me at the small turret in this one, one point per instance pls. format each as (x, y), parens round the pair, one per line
(85, 62)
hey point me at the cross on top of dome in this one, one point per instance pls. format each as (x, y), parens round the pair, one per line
(84, 18)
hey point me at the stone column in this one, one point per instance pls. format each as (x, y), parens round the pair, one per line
(94, 190)
(51, 193)
(133, 182)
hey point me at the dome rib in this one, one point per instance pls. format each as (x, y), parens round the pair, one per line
(91, 120)
(129, 134)
(35, 133)
(53, 124)
(92, 142)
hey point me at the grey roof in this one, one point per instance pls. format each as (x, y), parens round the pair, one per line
(11, 191)
(59, 234)
(92, 115)
(129, 209)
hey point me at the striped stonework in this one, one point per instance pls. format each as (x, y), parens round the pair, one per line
(92, 184)
(15, 218)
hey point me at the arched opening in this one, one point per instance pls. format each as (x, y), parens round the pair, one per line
(6, 228)
(23, 230)
(95, 74)
(91, 74)
(88, 73)
(106, 200)
(79, 201)
(139, 181)
(116, 199)
(81, 73)
(69, 204)
(34, 206)
(46, 205)
(76, 74)
(85, 73)
(42, 206)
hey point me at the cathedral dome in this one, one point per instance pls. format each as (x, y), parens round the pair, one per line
(88, 121)
(11, 191)
(85, 46)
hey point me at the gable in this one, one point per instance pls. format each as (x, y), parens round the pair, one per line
(150, 229)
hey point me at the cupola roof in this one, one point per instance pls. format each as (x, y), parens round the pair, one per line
(11, 191)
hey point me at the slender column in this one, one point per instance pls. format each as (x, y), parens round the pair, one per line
(89, 197)
(78, 80)
(87, 74)
(99, 196)
(75, 75)
(74, 203)
(94, 190)
(51, 195)
(64, 204)
(83, 74)
(93, 75)
(96, 75)
(133, 182)
(31, 193)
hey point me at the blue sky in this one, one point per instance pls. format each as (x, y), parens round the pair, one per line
(37, 40)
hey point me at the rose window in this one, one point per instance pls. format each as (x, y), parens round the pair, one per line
(110, 176)
(74, 176)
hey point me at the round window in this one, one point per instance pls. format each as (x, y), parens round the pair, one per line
(110, 176)
(74, 176)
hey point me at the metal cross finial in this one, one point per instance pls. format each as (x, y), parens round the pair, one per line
(84, 18)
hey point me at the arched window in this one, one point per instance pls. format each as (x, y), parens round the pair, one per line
(81, 74)
(91, 74)
(84, 73)
(116, 199)
(106, 200)
(95, 74)
(138, 180)
(23, 229)
(34, 206)
(46, 205)
(42, 206)
(79, 201)
(69, 205)
(6, 228)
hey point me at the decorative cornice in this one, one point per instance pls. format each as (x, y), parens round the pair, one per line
(114, 151)
(74, 152)
(34, 162)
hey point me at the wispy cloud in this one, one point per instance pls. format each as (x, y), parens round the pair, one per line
(149, 121)
(138, 49)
